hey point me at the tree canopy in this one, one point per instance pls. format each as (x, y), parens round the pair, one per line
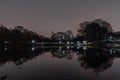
(95, 30)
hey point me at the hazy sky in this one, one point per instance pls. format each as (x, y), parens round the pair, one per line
(44, 16)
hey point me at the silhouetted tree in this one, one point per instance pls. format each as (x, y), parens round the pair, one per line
(16, 34)
(4, 33)
(68, 35)
(95, 30)
(59, 36)
(19, 35)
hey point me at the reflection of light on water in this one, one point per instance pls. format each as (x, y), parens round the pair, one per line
(112, 51)
(33, 48)
(71, 42)
(60, 47)
(5, 48)
(71, 46)
(84, 47)
(68, 42)
(60, 42)
(6, 42)
(78, 47)
(68, 47)
(78, 43)
(63, 51)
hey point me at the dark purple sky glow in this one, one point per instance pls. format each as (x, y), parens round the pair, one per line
(43, 16)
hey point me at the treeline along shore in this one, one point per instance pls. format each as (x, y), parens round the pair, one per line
(89, 33)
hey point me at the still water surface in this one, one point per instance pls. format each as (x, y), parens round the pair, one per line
(35, 63)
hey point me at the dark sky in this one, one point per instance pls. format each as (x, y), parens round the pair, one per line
(44, 16)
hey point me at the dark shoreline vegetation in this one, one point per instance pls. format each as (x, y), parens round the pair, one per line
(96, 32)
(95, 46)
(96, 35)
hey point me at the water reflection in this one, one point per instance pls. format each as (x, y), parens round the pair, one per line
(96, 59)
(91, 57)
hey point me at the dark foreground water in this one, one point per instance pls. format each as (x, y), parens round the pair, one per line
(33, 63)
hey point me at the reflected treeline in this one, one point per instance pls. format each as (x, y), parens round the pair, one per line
(98, 59)
(19, 55)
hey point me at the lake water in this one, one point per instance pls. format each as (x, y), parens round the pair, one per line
(57, 63)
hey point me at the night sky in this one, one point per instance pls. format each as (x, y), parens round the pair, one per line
(44, 16)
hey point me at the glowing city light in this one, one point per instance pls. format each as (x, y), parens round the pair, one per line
(60, 42)
(84, 47)
(33, 41)
(6, 42)
(5, 48)
(33, 48)
(68, 47)
(68, 42)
